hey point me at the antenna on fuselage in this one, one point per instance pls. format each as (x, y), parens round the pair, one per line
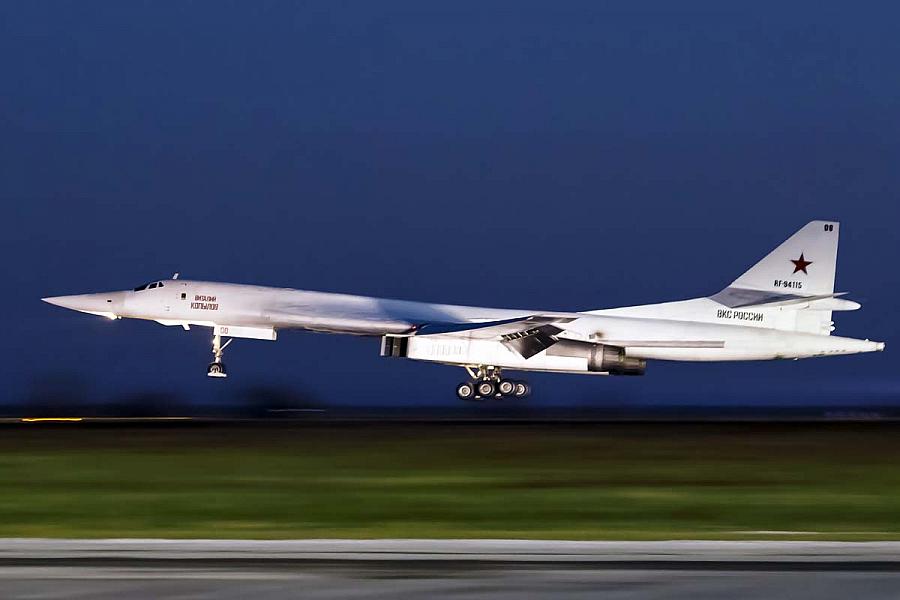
(175, 276)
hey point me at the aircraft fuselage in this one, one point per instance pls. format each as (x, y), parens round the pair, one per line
(781, 308)
(212, 304)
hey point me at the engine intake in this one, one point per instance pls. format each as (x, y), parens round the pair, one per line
(394, 346)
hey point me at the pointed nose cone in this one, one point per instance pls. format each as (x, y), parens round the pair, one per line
(64, 301)
(105, 305)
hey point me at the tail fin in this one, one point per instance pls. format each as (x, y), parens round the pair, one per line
(793, 285)
(798, 275)
(804, 265)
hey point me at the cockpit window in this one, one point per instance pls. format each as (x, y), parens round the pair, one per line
(149, 286)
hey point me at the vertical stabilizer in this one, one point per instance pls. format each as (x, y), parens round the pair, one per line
(791, 289)
(804, 265)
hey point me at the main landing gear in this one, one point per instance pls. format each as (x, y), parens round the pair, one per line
(488, 382)
(217, 368)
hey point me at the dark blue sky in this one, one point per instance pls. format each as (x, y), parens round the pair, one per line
(540, 155)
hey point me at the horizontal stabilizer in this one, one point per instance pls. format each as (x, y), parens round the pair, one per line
(741, 298)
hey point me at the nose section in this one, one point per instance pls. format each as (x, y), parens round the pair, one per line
(106, 304)
(78, 302)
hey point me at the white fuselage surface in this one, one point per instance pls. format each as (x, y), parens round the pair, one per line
(779, 309)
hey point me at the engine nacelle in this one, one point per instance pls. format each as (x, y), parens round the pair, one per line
(565, 356)
(600, 358)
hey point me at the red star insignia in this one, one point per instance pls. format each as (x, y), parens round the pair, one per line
(800, 264)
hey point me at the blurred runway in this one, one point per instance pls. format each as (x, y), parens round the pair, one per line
(495, 583)
(497, 569)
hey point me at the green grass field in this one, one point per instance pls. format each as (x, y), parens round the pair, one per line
(453, 481)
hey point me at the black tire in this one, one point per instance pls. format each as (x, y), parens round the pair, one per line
(522, 389)
(465, 391)
(216, 368)
(486, 389)
(506, 387)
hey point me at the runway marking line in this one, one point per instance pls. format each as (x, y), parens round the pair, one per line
(99, 419)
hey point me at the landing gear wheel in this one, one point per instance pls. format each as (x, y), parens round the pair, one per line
(486, 389)
(506, 387)
(465, 391)
(216, 369)
(522, 389)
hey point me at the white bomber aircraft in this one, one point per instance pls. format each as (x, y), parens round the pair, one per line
(780, 308)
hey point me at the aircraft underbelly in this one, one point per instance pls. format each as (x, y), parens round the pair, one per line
(642, 339)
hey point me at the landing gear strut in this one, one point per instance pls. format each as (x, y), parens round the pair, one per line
(488, 382)
(217, 368)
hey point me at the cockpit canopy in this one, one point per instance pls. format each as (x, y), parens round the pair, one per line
(149, 286)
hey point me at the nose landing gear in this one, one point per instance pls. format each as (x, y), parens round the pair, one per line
(488, 382)
(217, 368)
